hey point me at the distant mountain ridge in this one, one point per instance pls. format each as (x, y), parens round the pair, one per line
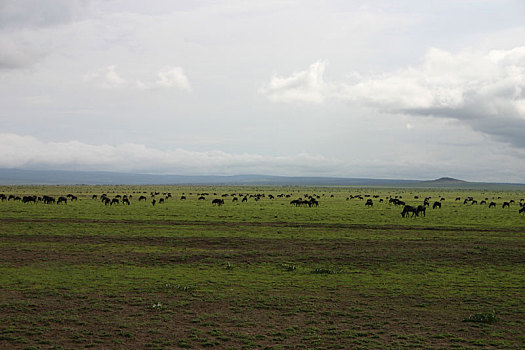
(63, 177)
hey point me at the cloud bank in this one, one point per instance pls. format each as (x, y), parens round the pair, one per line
(30, 152)
(486, 91)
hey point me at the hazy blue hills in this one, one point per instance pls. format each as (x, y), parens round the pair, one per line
(62, 177)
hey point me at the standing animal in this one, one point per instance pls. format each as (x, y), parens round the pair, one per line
(436, 205)
(408, 209)
(369, 203)
(506, 205)
(217, 202)
(421, 209)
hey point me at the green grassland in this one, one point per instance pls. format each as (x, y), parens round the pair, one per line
(261, 274)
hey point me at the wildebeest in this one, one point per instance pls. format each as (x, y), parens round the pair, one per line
(153, 202)
(62, 200)
(142, 198)
(522, 210)
(408, 209)
(492, 204)
(161, 201)
(506, 205)
(201, 198)
(125, 201)
(115, 201)
(48, 199)
(436, 205)
(421, 209)
(369, 203)
(217, 201)
(182, 198)
(245, 199)
(94, 196)
(27, 199)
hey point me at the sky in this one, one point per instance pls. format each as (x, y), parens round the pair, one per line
(380, 89)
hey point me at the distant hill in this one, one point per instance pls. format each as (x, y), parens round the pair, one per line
(61, 177)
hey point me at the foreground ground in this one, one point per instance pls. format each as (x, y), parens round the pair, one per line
(260, 274)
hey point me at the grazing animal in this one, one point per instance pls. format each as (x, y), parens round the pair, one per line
(161, 201)
(62, 200)
(217, 202)
(436, 205)
(94, 196)
(114, 201)
(369, 203)
(506, 205)
(142, 198)
(27, 199)
(235, 199)
(201, 198)
(421, 209)
(153, 202)
(245, 199)
(522, 210)
(492, 205)
(125, 201)
(408, 209)
(313, 203)
(182, 198)
(48, 199)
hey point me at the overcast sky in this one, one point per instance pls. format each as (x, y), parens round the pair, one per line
(382, 89)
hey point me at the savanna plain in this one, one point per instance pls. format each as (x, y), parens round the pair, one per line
(261, 273)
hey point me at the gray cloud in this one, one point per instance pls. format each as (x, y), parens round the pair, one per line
(16, 14)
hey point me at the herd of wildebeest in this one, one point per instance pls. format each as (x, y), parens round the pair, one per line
(307, 200)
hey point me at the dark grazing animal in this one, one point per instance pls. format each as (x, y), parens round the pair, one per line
(408, 209)
(506, 205)
(217, 202)
(436, 205)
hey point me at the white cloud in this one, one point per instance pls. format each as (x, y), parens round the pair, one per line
(173, 77)
(166, 79)
(105, 77)
(303, 86)
(483, 90)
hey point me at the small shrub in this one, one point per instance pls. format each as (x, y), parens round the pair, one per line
(482, 317)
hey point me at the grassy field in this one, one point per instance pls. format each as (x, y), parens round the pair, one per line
(261, 274)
